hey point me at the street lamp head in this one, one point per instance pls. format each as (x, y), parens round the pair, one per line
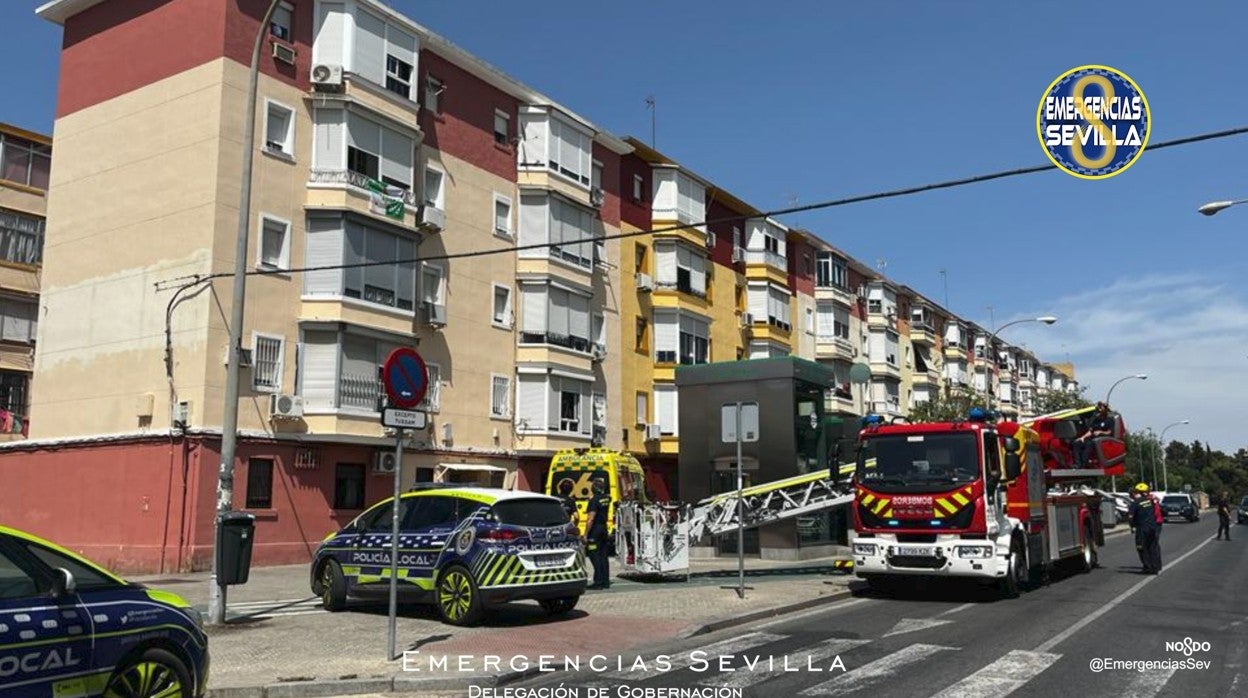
(1047, 319)
(1186, 421)
(1214, 206)
(1142, 376)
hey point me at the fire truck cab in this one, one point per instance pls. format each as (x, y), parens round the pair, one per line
(971, 499)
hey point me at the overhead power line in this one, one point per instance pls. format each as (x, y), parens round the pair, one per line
(862, 198)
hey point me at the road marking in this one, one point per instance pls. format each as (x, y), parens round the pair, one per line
(835, 606)
(910, 625)
(804, 661)
(1148, 684)
(710, 654)
(876, 671)
(1002, 677)
(957, 609)
(1060, 637)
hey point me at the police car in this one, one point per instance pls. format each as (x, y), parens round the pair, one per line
(464, 549)
(70, 628)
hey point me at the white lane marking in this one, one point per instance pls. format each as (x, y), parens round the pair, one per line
(1149, 683)
(910, 625)
(1061, 637)
(956, 609)
(876, 671)
(1002, 677)
(807, 660)
(709, 655)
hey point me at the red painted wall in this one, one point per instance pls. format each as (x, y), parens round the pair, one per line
(465, 126)
(610, 211)
(122, 45)
(858, 309)
(635, 212)
(801, 279)
(147, 506)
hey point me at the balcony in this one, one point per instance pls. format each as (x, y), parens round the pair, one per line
(579, 344)
(886, 369)
(770, 260)
(922, 333)
(891, 407)
(681, 285)
(838, 294)
(345, 189)
(834, 348)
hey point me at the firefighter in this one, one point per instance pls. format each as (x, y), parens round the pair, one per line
(1102, 425)
(596, 534)
(1145, 517)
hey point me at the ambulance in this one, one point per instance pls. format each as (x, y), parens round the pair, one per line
(573, 471)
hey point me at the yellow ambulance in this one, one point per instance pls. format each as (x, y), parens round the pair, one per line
(573, 471)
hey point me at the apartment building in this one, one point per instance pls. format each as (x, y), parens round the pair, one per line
(25, 163)
(387, 158)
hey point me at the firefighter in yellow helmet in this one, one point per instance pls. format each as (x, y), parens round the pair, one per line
(1145, 517)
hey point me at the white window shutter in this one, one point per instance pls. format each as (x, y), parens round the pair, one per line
(330, 150)
(324, 247)
(320, 369)
(531, 401)
(534, 308)
(396, 156)
(369, 60)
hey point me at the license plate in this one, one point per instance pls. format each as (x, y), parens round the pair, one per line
(549, 560)
(915, 551)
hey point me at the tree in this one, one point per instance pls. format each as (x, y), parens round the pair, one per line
(1058, 400)
(947, 405)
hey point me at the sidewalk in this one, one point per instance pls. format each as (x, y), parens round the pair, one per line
(280, 642)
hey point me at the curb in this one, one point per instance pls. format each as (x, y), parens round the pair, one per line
(405, 684)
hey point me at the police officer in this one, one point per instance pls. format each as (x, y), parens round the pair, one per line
(1145, 517)
(1224, 515)
(596, 534)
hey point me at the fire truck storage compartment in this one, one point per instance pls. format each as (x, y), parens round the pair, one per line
(1064, 527)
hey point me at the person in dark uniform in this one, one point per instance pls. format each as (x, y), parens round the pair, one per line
(596, 534)
(1224, 515)
(1145, 517)
(1102, 425)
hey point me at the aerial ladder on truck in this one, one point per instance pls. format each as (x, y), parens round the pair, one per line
(655, 537)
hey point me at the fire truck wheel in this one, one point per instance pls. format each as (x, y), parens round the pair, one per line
(1088, 559)
(1016, 575)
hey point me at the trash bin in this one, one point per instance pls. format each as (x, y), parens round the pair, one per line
(235, 533)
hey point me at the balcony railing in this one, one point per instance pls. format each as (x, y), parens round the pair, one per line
(560, 340)
(682, 286)
(357, 181)
(767, 257)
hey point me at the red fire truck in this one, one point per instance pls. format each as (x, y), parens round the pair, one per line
(997, 501)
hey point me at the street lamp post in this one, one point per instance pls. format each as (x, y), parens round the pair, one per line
(1213, 207)
(1141, 376)
(229, 421)
(1046, 319)
(1164, 476)
(1152, 455)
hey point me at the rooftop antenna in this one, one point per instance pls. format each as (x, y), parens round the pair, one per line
(944, 277)
(881, 264)
(992, 322)
(792, 198)
(650, 103)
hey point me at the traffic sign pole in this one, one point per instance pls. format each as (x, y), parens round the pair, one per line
(394, 544)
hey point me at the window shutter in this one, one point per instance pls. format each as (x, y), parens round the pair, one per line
(320, 369)
(402, 45)
(666, 332)
(329, 151)
(665, 264)
(531, 400)
(578, 316)
(369, 60)
(363, 134)
(558, 321)
(697, 263)
(534, 220)
(324, 247)
(587, 409)
(758, 301)
(533, 134)
(534, 308)
(396, 156)
(555, 403)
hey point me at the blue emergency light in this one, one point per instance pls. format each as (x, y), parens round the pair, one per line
(872, 419)
(977, 414)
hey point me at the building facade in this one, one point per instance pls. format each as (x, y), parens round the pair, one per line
(25, 164)
(405, 193)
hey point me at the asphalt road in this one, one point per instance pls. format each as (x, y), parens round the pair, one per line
(965, 642)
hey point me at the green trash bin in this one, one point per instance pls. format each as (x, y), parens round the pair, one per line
(235, 533)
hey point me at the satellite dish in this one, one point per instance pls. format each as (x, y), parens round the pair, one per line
(860, 373)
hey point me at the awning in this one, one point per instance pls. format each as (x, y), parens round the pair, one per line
(470, 466)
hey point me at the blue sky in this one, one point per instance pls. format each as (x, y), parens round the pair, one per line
(819, 100)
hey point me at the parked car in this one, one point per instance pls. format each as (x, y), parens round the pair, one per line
(463, 549)
(1181, 505)
(69, 627)
(1243, 511)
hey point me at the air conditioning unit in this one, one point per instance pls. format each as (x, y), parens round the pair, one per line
(435, 314)
(283, 53)
(644, 282)
(384, 463)
(599, 353)
(710, 240)
(747, 319)
(738, 255)
(654, 432)
(597, 197)
(431, 219)
(326, 76)
(285, 406)
(862, 291)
